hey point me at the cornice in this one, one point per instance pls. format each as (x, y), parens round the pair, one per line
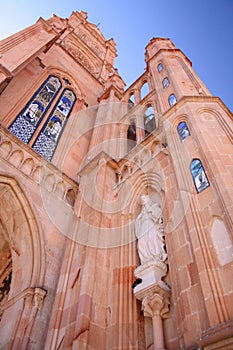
(94, 162)
(47, 26)
(7, 76)
(196, 99)
(169, 50)
(106, 94)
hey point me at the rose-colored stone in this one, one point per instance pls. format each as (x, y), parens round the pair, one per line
(67, 226)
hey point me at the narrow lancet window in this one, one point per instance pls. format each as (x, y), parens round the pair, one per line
(160, 67)
(183, 131)
(172, 100)
(199, 176)
(26, 123)
(165, 82)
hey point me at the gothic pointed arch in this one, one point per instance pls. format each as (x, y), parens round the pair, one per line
(22, 234)
(148, 183)
(22, 261)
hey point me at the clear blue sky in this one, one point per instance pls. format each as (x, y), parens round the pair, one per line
(202, 29)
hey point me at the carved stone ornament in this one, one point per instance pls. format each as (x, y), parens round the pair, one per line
(92, 44)
(78, 55)
(155, 304)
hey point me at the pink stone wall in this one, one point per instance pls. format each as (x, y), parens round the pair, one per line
(70, 222)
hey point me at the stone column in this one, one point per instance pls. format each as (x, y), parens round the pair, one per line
(155, 306)
(154, 295)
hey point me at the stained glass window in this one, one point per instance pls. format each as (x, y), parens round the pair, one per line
(199, 176)
(160, 67)
(149, 120)
(48, 138)
(183, 131)
(26, 123)
(172, 100)
(165, 82)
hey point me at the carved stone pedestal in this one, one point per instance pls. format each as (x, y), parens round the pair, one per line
(154, 295)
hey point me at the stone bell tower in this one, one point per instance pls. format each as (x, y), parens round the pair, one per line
(116, 215)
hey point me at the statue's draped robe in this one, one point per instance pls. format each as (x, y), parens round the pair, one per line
(148, 230)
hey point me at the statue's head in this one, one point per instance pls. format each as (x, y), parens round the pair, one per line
(145, 199)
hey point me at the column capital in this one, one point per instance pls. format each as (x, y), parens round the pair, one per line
(155, 304)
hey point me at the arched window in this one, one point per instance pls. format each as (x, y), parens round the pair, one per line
(160, 67)
(149, 120)
(172, 100)
(26, 123)
(165, 82)
(199, 176)
(28, 120)
(183, 131)
(131, 136)
(131, 101)
(144, 90)
(48, 138)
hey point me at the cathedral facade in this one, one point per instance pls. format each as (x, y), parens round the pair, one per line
(116, 203)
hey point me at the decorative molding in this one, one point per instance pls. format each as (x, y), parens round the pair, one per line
(35, 167)
(79, 55)
(37, 294)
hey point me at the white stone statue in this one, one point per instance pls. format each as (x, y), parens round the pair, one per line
(149, 232)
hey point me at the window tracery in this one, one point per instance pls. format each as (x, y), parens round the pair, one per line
(27, 122)
(48, 138)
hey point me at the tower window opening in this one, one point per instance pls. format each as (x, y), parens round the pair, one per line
(172, 100)
(160, 67)
(183, 131)
(200, 179)
(131, 136)
(165, 82)
(149, 120)
(144, 90)
(131, 102)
